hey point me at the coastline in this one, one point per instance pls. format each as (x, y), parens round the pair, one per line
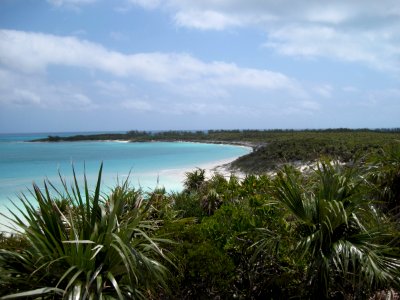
(125, 138)
(171, 179)
(215, 142)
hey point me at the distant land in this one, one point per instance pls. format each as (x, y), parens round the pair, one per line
(271, 148)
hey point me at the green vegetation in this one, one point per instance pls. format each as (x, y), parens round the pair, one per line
(83, 246)
(332, 232)
(344, 239)
(272, 148)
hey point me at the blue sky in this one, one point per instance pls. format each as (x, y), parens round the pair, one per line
(94, 65)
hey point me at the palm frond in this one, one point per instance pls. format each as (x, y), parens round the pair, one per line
(99, 246)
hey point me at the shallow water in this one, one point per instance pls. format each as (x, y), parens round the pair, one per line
(152, 163)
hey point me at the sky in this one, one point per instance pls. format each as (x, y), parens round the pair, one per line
(97, 65)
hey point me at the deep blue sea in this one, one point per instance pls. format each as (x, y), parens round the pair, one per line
(149, 164)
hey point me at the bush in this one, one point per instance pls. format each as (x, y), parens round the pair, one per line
(98, 247)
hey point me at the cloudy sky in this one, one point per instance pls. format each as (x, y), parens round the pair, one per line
(93, 65)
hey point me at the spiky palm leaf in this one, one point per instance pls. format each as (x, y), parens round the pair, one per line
(100, 247)
(194, 180)
(340, 232)
(211, 202)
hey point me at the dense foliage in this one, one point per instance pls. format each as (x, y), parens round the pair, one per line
(83, 246)
(331, 232)
(272, 148)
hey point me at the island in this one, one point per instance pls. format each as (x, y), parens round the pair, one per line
(271, 148)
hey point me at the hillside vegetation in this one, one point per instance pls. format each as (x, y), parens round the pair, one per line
(329, 233)
(272, 148)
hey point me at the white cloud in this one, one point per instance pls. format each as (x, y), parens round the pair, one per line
(72, 3)
(365, 32)
(137, 105)
(205, 20)
(112, 88)
(80, 100)
(203, 108)
(252, 78)
(328, 15)
(147, 4)
(371, 48)
(163, 83)
(34, 52)
(244, 13)
(26, 97)
(24, 90)
(324, 90)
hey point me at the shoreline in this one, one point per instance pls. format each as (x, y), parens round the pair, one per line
(170, 179)
(120, 139)
(248, 145)
(223, 167)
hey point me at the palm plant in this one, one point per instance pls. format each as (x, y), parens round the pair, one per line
(211, 202)
(186, 205)
(384, 172)
(341, 235)
(161, 205)
(97, 247)
(194, 180)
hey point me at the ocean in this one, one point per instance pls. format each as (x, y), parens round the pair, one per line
(149, 164)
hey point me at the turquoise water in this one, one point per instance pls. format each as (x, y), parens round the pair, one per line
(22, 163)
